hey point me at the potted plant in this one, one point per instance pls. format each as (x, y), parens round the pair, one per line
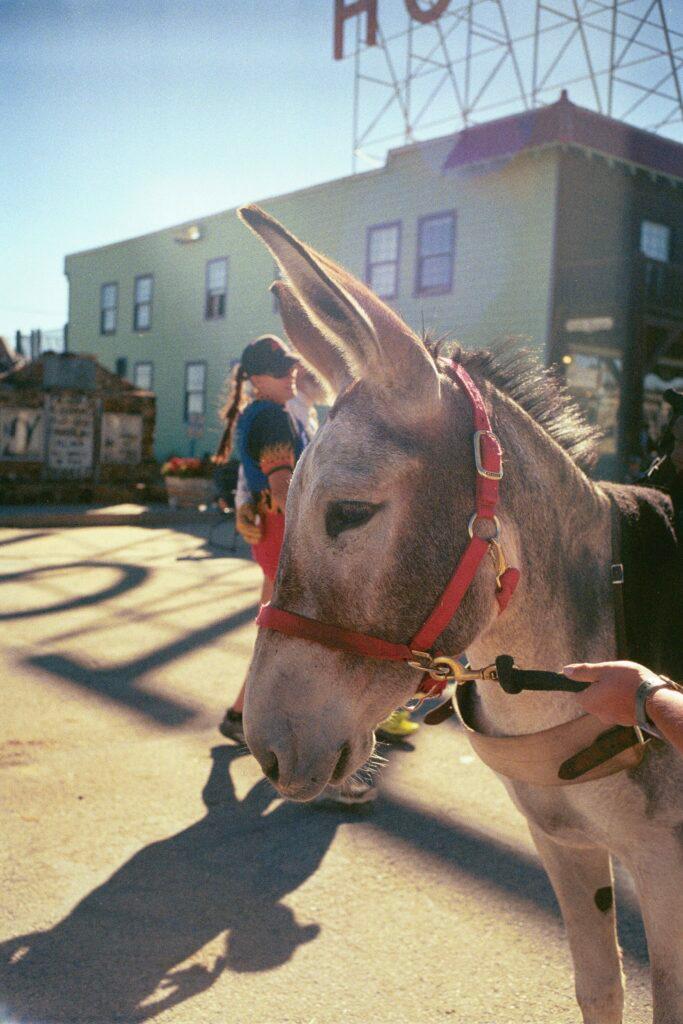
(188, 481)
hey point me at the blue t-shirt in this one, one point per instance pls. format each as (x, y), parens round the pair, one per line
(267, 438)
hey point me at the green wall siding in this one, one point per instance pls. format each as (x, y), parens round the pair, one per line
(503, 248)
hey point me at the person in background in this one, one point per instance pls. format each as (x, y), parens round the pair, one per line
(625, 693)
(268, 441)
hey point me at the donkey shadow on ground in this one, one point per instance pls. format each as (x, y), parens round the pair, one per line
(119, 954)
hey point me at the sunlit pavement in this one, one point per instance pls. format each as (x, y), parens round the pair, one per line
(147, 871)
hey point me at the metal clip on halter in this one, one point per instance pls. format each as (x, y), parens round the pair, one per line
(503, 671)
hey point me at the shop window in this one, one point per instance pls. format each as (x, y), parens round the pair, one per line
(216, 288)
(109, 300)
(383, 248)
(142, 313)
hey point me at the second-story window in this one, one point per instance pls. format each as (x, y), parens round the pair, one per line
(216, 288)
(143, 376)
(655, 240)
(142, 312)
(109, 300)
(435, 254)
(195, 389)
(383, 249)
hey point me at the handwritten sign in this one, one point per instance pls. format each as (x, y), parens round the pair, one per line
(71, 431)
(21, 434)
(121, 438)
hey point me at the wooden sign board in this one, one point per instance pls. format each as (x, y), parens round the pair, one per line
(71, 434)
(121, 438)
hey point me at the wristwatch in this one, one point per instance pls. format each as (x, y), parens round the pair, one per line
(643, 693)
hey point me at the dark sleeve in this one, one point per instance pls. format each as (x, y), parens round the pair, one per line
(271, 440)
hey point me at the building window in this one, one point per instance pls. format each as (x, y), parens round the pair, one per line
(216, 288)
(435, 254)
(381, 266)
(143, 376)
(109, 300)
(195, 389)
(142, 315)
(121, 367)
(655, 240)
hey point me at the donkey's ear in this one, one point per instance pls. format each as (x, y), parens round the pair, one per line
(376, 343)
(314, 345)
(338, 317)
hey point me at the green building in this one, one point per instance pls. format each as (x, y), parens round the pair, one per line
(557, 224)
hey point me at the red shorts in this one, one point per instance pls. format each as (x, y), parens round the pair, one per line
(267, 551)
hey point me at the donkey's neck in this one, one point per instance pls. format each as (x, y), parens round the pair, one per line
(557, 528)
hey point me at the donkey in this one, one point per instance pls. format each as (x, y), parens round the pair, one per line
(377, 516)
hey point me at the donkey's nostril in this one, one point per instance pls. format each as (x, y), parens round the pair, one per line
(340, 767)
(270, 766)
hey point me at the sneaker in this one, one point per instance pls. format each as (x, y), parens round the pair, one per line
(352, 791)
(231, 727)
(398, 726)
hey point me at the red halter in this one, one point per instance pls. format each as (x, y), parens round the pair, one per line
(489, 464)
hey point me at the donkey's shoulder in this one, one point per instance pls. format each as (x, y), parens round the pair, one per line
(653, 580)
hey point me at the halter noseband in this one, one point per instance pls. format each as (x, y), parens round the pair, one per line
(489, 465)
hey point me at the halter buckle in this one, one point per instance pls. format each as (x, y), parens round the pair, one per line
(489, 474)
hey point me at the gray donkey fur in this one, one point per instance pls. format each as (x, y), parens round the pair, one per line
(393, 464)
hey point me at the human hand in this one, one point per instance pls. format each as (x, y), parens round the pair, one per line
(612, 695)
(246, 525)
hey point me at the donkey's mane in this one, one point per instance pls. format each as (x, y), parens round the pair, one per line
(518, 373)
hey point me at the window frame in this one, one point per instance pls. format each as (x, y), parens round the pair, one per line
(208, 293)
(368, 262)
(144, 362)
(187, 392)
(137, 305)
(109, 284)
(420, 292)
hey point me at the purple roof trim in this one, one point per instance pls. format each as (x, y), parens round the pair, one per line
(564, 122)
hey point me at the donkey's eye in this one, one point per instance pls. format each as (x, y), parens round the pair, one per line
(347, 515)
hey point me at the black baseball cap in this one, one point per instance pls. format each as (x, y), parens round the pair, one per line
(268, 355)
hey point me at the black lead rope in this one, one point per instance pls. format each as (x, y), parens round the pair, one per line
(514, 680)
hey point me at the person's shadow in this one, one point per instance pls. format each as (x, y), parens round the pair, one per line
(226, 873)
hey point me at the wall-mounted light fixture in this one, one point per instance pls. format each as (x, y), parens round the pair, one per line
(192, 233)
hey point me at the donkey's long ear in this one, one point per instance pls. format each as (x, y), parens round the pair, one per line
(376, 343)
(340, 320)
(310, 341)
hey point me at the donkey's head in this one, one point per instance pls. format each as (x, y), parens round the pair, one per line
(376, 520)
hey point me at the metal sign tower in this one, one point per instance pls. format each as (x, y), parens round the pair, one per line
(427, 66)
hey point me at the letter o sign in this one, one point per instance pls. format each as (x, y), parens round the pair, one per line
(431, 13)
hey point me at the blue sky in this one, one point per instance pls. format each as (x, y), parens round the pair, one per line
(118, 117)
(122, 117)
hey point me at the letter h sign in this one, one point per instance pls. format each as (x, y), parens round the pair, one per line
(343, 11)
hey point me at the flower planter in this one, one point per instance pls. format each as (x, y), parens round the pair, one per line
(188, 492)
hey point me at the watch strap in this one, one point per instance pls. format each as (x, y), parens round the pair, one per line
(644, 691)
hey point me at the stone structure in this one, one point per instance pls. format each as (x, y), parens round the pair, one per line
(70, 430)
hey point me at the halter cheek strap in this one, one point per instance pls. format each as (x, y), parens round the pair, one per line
(489, 465)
